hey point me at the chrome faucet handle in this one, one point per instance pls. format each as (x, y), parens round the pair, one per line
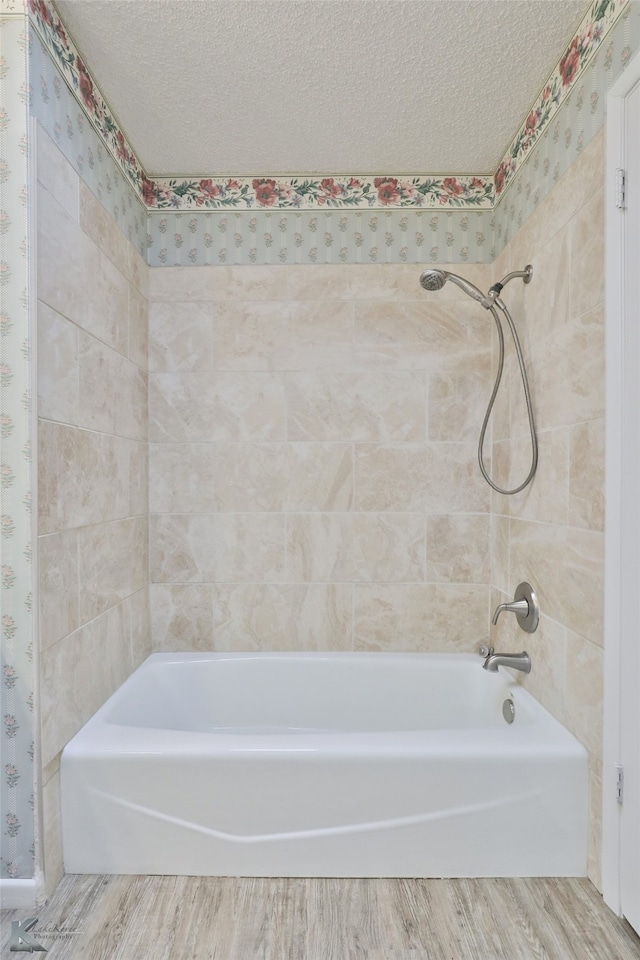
(524, 605)
(519, 607)
(485, 651)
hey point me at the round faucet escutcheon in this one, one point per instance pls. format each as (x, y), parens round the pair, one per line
(529, 620)
(524, 605)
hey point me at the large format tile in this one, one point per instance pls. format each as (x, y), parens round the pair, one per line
(138, 351)
(86, 287)
(587, 475)
(182, 616)
(58, 586)
(290, 477)
(113, 560)
(351, 547)
(302, 336)
(51, 848)
(546, 497)
(215, 548)
(181, 336)
(567, 375)
(457, 402)
(587, 256)
(584, 692)
(193, 407)
(56, 174)
(421, 336)
(433, 477)
(137, 457)
(181, 477)
(92, 662)
(100, 226)
(91, 484)
(432, 617)
(139, 609)
(256, 616)
(218, 283)
(566, 567)
(366, 407)
(57, 367)
(458, 548)
(113, 391)
(248, 335)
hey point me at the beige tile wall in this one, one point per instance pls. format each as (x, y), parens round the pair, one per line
(313, 477)
(92, 465)
(552, 533)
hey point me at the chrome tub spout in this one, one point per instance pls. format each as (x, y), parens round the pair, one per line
(516, 661)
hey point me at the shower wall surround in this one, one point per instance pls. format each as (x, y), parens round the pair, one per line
(313, 478)
(552, 533)
(92, 465)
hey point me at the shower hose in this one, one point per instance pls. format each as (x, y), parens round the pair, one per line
(527, 394)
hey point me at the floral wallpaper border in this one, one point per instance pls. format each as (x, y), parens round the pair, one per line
(340, 192)
(581, 116)
(318, 193)
(597, 22)
(16, 574)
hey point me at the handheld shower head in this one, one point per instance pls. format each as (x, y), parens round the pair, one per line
(433, 279)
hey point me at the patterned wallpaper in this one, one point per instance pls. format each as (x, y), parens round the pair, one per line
(598, 20)
(331, 219)
(16, 580)
(57, 109)
(331, 236)
(568, 133)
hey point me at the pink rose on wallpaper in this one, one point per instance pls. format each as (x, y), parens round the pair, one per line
(40, 8)
(209, 191)
(476, 183)
(570, 63)
(531, 122)
(450, 188)
(85, 82)
(233, 185)
(354, 184)
(499, 178)
(546, 93)
(148, 192)
(266, 192)
(388, 192)
(330, 187)
(62, 37)
(121, 148)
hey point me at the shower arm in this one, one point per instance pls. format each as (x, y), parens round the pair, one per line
(496, 289)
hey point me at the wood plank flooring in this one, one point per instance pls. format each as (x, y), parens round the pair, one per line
(195, 918)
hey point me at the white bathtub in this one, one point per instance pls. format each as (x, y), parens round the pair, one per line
(343, 765)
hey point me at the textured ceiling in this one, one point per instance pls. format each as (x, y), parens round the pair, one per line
(250, 87)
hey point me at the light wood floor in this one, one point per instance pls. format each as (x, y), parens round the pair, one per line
(193, 918)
